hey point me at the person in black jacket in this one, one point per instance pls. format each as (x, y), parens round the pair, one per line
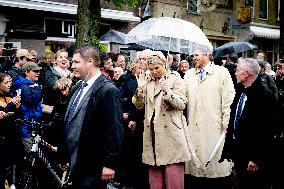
(250, 132)
(93, 128)
(132, 148)
(266, 79)
(279, 142)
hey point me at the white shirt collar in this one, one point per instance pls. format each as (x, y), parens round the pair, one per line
(92, 80)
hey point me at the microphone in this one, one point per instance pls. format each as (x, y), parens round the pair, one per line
(91, 68)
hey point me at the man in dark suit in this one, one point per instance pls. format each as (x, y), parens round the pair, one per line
(250, 132)
(93, 128)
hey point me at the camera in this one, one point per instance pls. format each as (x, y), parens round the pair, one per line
(8, 50)
(7, 55)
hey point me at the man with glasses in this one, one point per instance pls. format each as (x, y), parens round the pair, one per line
(22, 57)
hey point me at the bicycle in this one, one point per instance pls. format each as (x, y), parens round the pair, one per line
(29, 179)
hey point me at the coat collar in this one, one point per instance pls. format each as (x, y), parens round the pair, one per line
(100, 81)
(208, 70)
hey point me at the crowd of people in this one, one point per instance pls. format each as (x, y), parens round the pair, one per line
(150, 123)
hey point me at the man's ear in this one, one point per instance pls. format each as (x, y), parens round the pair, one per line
(91, 61)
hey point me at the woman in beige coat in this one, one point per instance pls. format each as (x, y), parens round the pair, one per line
(165, 137)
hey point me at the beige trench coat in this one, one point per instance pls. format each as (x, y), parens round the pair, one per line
(170, 127)
(208, 111)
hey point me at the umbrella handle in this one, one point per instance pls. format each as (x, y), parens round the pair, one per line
(207, 163)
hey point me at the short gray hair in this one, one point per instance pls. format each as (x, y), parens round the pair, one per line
(250, 64)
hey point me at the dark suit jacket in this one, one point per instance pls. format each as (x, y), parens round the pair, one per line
(101, 132)
(255, 126)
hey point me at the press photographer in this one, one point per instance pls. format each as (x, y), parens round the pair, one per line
(7, 56)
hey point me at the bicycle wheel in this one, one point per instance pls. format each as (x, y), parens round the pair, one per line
(27, 178)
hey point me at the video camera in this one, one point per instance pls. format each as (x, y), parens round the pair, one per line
(7, 56)
(8, 50)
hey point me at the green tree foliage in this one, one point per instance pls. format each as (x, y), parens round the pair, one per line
(120, 3)
(89, 19)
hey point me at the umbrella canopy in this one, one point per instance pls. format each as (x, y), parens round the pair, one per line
(232, 47)
(175, 32)
(155, 45)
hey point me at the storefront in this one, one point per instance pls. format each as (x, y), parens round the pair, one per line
(49, 25)
(266, 38)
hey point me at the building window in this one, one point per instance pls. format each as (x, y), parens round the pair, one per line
(251, 3)
(263, 9)
(223, 3)
(126, 52)
(192, 6)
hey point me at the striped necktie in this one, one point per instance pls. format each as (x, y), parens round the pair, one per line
(201, 74)
(238, 115)
(76, 101)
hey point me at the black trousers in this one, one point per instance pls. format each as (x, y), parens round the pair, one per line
(247, 179)
(193, 182)
(87, 182)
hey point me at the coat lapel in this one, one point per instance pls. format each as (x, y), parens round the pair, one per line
(153, 90)
(72, 100)
(157, 90)
(92, 90)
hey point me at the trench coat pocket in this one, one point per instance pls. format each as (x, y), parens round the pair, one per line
(177, 120)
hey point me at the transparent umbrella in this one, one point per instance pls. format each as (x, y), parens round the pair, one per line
(154, 44)
(174, 32)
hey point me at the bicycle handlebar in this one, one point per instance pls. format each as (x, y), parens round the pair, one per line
(33, 124)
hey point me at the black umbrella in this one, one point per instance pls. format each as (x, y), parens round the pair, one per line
(233, 47)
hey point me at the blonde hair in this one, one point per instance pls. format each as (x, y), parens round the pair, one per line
(157, 57)
(48, 57)
(132, 65)
(60, 51)
(62, 84)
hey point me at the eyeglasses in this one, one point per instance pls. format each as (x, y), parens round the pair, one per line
(28, 59)
(36, 71)
(280, 66)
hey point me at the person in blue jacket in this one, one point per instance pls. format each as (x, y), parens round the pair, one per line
(31, 97)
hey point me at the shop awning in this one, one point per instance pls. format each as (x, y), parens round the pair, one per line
(51, 6)
(263, 32)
